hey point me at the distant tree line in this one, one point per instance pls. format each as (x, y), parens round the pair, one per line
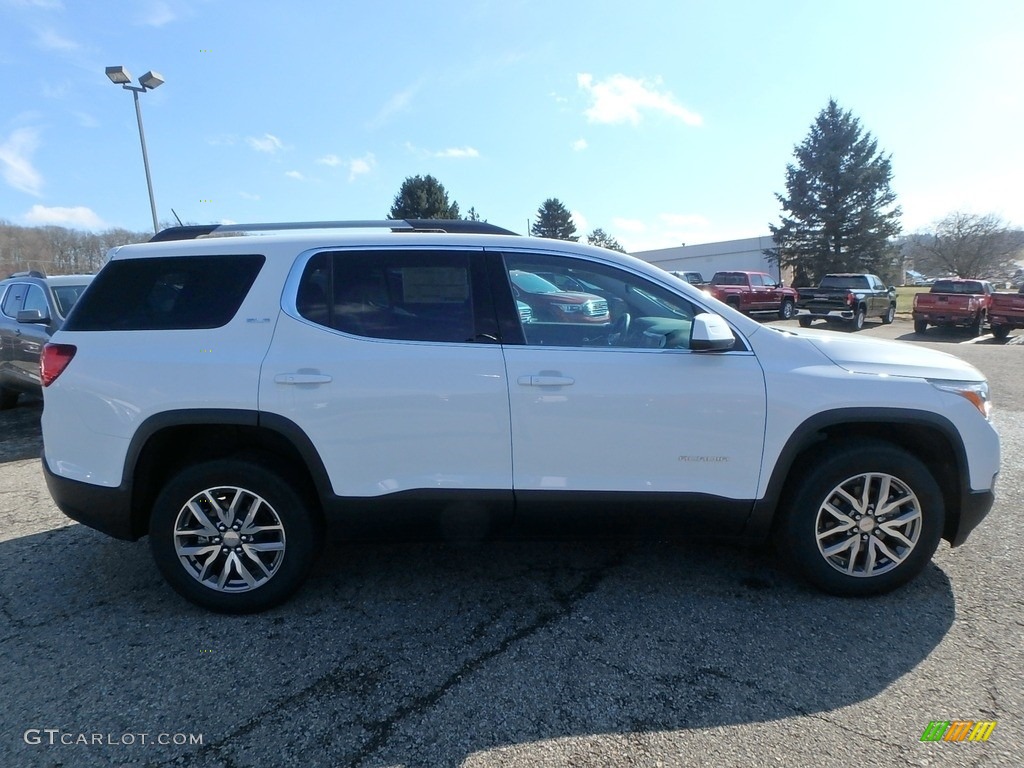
(59, 250)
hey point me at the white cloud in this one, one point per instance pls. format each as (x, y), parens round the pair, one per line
(16, 161)
(249, 196)
(398, 103)
(579, 145)
(86, 120)
(361, 166)
(457, 152)
(582, 225)
(267, 143)
(295, 175)
(223, 140)
(629, 225)
(77, 217)
(622, 99)
(46, 5)
(156, 15)
(331, 160)
(49, 40)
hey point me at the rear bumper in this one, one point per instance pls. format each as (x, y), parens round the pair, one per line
(105, 509)
(822, 313)
(945, 318)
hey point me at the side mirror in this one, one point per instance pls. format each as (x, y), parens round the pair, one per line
(33, 316)
(710, 333)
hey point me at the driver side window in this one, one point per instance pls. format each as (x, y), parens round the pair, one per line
(569, 302)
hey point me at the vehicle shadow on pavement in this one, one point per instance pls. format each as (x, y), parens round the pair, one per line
(427, 654)
(20, 433)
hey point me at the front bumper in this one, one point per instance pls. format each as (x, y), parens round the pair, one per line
(974, 506)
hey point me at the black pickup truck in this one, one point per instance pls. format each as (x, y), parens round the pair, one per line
(847, 297)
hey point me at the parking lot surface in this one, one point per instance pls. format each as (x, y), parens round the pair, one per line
(582, 653)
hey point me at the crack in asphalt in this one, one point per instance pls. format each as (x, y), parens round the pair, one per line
(381, 730)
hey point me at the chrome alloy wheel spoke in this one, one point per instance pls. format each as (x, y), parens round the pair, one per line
(868, 524)
(239, 544)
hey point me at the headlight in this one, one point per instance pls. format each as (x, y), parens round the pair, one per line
(974, 391)
(568, 308)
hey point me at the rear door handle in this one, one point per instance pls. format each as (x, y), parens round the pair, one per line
(546, 381)
(302, 378)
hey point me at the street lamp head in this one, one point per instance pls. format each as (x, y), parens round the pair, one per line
(151, 80)
(119, 75)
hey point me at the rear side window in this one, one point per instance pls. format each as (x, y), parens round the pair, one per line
(407, 295)
(188, 292)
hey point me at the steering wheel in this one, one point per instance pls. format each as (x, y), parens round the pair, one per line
(619, 331)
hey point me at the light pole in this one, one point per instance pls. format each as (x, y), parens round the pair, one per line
(149, 81)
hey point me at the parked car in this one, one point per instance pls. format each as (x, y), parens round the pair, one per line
(693, 278)
(847, 297)
(552, 304)
(953, 302)
(753, 292)
(1006, 313)
(32, 308)
(227, 395)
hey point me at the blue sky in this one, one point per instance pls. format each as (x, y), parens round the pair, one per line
(660, 122)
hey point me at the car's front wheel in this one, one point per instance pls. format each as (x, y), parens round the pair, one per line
(865, 519)
(233, 536)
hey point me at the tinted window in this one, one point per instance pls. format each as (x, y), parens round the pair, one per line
(844, 281)
(403, 295)
(66, 296)
(165, 293)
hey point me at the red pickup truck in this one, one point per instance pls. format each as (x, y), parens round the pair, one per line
(753, 292)
(1006, 313)
(954, 303)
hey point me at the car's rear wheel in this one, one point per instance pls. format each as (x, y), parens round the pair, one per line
(1000, 331)
(233, 536)
(890, 315)
(865, 519)
(858, 318)
(978, 325)
(786, 311)
(805, 322)
(920, 326)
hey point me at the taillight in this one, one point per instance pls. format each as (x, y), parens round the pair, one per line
(54, 360)
(850, 299)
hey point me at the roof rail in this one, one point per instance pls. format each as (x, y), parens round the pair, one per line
(395, 225)
(29, 273)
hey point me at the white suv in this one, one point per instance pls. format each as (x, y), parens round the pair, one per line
(226, 395)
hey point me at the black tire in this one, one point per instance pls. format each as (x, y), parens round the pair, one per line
(786, 310)
(858, 319)
(920, 326)
(978, 326)
(1000, 331)
(805, 322)
(837, 553)
(8, 398)
(284, 539)
(890, 315)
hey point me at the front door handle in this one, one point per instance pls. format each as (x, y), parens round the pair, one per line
(302, 378)
(546, 381)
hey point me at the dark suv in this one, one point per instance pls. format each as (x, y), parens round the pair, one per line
(32, 308)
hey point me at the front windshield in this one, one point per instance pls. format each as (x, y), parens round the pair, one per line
(532, 283)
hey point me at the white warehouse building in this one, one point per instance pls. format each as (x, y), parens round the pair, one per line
(707, 258)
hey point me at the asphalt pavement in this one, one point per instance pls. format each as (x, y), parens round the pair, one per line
(511, 653)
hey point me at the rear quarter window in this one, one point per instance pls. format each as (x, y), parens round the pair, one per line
(166, 293)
